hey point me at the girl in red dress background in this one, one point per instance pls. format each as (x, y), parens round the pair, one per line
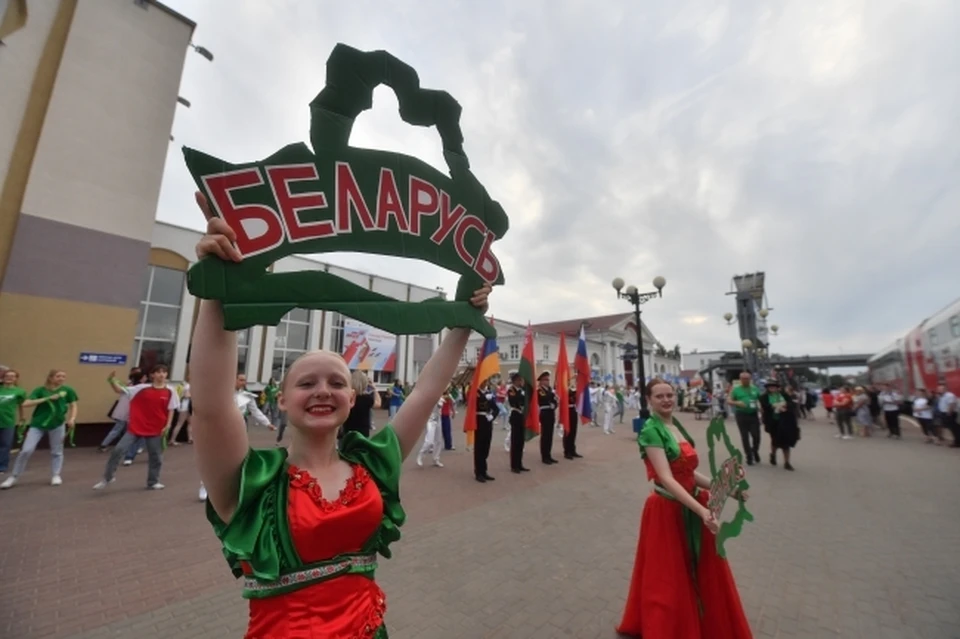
(681, 588)
(304, 526)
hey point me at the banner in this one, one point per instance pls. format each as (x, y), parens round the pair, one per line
(367, 348)
(336, 197)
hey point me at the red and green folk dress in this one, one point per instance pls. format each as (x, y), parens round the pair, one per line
(307, 560)
(681, 588)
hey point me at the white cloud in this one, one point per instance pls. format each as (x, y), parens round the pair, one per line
(817, 141)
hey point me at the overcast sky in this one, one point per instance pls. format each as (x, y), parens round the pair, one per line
(816, 141)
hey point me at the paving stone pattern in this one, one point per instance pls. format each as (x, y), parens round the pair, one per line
(860, 542)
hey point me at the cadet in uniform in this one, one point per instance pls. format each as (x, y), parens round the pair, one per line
(570, 438)
(548, 417)
(487, 411)
(515, 401)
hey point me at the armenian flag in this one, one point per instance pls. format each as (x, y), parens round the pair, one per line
(488, 365)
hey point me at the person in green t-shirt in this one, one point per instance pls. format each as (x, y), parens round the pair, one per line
(55, 412)
(12, 398)
(745, 399)
(270, 406)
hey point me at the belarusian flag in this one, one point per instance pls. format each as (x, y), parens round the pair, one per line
(528, 371)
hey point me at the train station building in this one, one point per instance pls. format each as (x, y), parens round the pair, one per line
(89, 280)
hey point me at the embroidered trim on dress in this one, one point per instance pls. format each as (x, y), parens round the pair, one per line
(300, 578)
(303, 480)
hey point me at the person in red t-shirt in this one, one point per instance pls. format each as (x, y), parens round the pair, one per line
(151, 411)
(447, 412)
(843, 404)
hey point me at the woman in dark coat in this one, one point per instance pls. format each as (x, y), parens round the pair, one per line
(779, 414)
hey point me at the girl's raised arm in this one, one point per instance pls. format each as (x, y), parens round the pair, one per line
(435, 378)
(219, 432)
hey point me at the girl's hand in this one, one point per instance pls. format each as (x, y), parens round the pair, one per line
(220, 238)
(479, 299)
(709, 521)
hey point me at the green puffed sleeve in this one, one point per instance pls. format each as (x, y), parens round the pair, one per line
(253, 533)
(655, 435)
(382, 458)
(651, 436)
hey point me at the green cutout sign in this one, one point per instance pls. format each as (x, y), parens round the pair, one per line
(343, 198)
(727, 480)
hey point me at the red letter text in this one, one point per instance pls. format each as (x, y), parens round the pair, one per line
(258, 227)
(291, 204)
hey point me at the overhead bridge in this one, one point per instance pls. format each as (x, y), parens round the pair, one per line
(735, 362)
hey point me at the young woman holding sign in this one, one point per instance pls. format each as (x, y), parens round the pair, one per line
(303, 526)
(680, 587)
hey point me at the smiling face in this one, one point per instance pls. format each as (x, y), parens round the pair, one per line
(56, 379)
(662, 399)
(10, 377)
(316, 392)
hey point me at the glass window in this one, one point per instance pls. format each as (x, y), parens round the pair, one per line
(336, 330)
(167, 286)
(932, 336)
(159, 317)
(546, 351)
(243, 350)
(514, 351)
(955, 325)
(291, 341)
(161, 322)
(153, 353)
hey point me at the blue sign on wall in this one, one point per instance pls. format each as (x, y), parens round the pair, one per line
(111, 359)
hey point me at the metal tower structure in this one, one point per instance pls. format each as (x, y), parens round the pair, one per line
(751, 296)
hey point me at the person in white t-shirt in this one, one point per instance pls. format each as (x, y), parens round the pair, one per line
(923, 412)
(890, 401)
(183, 414)
(433, 437)
(947, 412)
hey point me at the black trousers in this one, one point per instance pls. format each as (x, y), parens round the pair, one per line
(548, 422)
(481, 445)
(516, 440)
(845, 419)
(570, 439)
(893, 421)
(950, 421)
(749, 425)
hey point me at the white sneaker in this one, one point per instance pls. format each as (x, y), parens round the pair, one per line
(103, 483)
(156, 486)
(846, 437)
(436, 462)
(127, 462)
(420, 461)
(8, 482)
(55, 480)
(203, 493)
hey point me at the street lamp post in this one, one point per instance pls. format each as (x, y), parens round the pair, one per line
(205, 52)
(632, 295)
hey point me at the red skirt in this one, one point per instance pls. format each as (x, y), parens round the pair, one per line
(664, 601)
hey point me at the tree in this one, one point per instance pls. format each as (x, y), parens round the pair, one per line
(676, 352)
(836, 381)
(661, 351)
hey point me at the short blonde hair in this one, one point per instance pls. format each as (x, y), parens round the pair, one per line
(359, 381)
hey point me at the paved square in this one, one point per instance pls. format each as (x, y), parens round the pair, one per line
(860, 541)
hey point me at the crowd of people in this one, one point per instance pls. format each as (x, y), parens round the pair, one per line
(303, 523)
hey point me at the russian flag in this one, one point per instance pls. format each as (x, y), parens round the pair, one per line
(582, 365)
